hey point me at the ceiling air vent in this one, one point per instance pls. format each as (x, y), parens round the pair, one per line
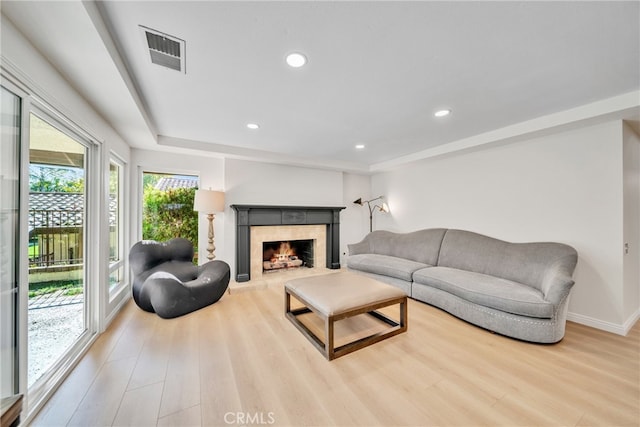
(165, 50)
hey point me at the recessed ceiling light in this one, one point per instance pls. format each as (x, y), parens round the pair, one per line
(360, 146)
(296, 60)
(253, 126)
(442, 113)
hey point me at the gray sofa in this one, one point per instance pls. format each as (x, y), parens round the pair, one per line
(520, 290)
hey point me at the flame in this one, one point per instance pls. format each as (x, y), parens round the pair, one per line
(284, 251)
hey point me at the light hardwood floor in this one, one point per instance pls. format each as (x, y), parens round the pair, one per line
(240, 362)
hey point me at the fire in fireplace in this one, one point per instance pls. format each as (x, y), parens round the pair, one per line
(278, 256)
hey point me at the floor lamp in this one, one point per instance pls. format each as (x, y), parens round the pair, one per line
(382, 208)
(209, 202)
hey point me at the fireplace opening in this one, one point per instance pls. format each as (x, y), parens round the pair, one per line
(279, 256)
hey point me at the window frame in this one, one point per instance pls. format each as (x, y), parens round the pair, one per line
(121, 263)
(10, 355)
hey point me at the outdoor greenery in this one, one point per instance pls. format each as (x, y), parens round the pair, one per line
(70, 287)
(149, 179)
(34, 249)
(168, 214)
(55, 179)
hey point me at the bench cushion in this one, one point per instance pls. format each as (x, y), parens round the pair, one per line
(332, 294)
(385, 265)
(487, 291)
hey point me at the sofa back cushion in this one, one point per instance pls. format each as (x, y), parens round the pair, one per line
(525, 263)
(421, 246)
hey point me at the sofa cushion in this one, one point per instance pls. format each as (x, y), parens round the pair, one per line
(526, 263)
(385, 265)
(420, 246)
(494, 292)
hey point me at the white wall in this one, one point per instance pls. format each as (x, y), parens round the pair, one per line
(257, 183)
(565, 187)
(355, 218)
(210, 170)
(631, 179)
(38, 73)
(254, 183)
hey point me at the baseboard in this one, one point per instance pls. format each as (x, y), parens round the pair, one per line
(631, 321)
(605, 326)
(115, 312)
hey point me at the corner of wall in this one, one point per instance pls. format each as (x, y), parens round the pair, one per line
(631, 221)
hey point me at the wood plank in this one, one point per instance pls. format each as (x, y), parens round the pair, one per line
(140, 407)
(62, 405)
(218, 389)
(241, 355)
(182, 381)
(153, 358)
(101, 403)
(189, 417)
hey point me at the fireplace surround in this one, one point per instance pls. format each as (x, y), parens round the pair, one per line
(294, 219)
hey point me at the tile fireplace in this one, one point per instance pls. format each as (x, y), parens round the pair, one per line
(259, 229)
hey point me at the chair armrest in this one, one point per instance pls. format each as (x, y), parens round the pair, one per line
(213, 271)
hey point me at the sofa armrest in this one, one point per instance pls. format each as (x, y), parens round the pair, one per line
(558, 290)
(362, 247)
(558, 280)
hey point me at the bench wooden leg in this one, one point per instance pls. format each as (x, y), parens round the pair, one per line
(395, 329)
(328, 338)
(287, 302)
(404, 319)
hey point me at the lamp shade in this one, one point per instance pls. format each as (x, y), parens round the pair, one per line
(208, 201)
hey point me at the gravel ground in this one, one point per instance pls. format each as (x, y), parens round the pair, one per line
(51, 331)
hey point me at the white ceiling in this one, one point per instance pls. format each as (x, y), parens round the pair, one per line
(377, 70)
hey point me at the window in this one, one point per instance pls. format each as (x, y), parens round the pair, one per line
(167, 210)
(116, 231)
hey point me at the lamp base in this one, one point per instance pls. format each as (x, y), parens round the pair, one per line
(210, 247)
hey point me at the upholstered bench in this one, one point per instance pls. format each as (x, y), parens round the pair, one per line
(338, 296)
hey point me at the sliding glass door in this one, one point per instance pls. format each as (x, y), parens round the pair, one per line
(53, 242)
(57, 311)
(9, 241)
